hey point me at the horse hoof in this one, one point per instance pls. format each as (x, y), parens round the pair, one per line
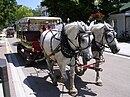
(99, 83)
(55, 83)
(73, 92)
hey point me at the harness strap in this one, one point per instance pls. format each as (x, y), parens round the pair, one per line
(44, 39)
(57, 49)
(66, 50)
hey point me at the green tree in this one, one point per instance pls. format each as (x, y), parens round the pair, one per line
(37, 11)
(73, 9)
(22, 12)
(7, 10)
(80, 9)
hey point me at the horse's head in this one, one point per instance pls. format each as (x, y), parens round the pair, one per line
(110, 37)
(80, 38)
(104, 34)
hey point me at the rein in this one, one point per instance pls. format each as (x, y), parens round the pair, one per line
(57, 49)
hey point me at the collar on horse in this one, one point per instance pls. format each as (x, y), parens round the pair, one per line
(66, 49)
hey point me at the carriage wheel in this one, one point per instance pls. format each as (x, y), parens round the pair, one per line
(28, 63)
(18, 48)
(79, 70)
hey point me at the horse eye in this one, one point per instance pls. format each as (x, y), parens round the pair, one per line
(82, 40)
(108, 35)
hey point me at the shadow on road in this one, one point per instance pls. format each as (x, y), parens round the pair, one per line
(44, 88)
(15, 43)
(41, 87)
(15, 59)
(83, 89)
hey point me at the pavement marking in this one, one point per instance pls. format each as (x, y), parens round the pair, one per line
(118, 55)
(8, 48)
(18, 77)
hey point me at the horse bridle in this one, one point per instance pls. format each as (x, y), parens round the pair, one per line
(89, 33)
(68, 51)
(106, 37)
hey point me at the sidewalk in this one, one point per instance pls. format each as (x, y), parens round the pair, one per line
(2, 69)
(124, 49)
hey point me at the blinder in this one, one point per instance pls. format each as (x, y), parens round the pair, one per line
(101, 46)
(80, 36)
(109, 36)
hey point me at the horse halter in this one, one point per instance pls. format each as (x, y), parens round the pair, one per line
(88, 34)
(66, 48)
(105, 34)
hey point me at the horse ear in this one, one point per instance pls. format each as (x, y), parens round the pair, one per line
(112, 23)
(91, 24)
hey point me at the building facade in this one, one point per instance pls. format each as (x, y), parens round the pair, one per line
(122, 22)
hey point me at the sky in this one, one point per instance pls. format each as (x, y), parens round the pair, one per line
(29, 3)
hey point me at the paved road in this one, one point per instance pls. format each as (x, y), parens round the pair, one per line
(34, 81)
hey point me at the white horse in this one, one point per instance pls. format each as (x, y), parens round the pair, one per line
(64, 47)
(104, 34)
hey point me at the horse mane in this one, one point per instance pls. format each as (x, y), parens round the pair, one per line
(96, 27)
(78, 25)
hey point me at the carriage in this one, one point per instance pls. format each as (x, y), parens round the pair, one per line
(63, 47)
(10, 31)
(28, 32)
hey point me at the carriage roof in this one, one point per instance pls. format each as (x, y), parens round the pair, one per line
(27, 20)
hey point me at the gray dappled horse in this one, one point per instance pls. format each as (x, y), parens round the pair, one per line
(104, 34)
(64, 47)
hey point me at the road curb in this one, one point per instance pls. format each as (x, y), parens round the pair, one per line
(4, 75)
(20, 89)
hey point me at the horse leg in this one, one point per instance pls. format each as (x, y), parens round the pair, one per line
(63, 73)
(98, 79)
(80, 70)
(72, 89)
(51, 73)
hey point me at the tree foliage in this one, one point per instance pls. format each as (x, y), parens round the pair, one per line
(10, 12)
(68, 8)
(37, 11)
(80, 9)
(22, 12)
(7, 10)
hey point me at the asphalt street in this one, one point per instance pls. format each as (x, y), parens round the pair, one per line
(33, 85)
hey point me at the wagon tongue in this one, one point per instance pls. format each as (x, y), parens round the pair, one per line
(92, 66)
